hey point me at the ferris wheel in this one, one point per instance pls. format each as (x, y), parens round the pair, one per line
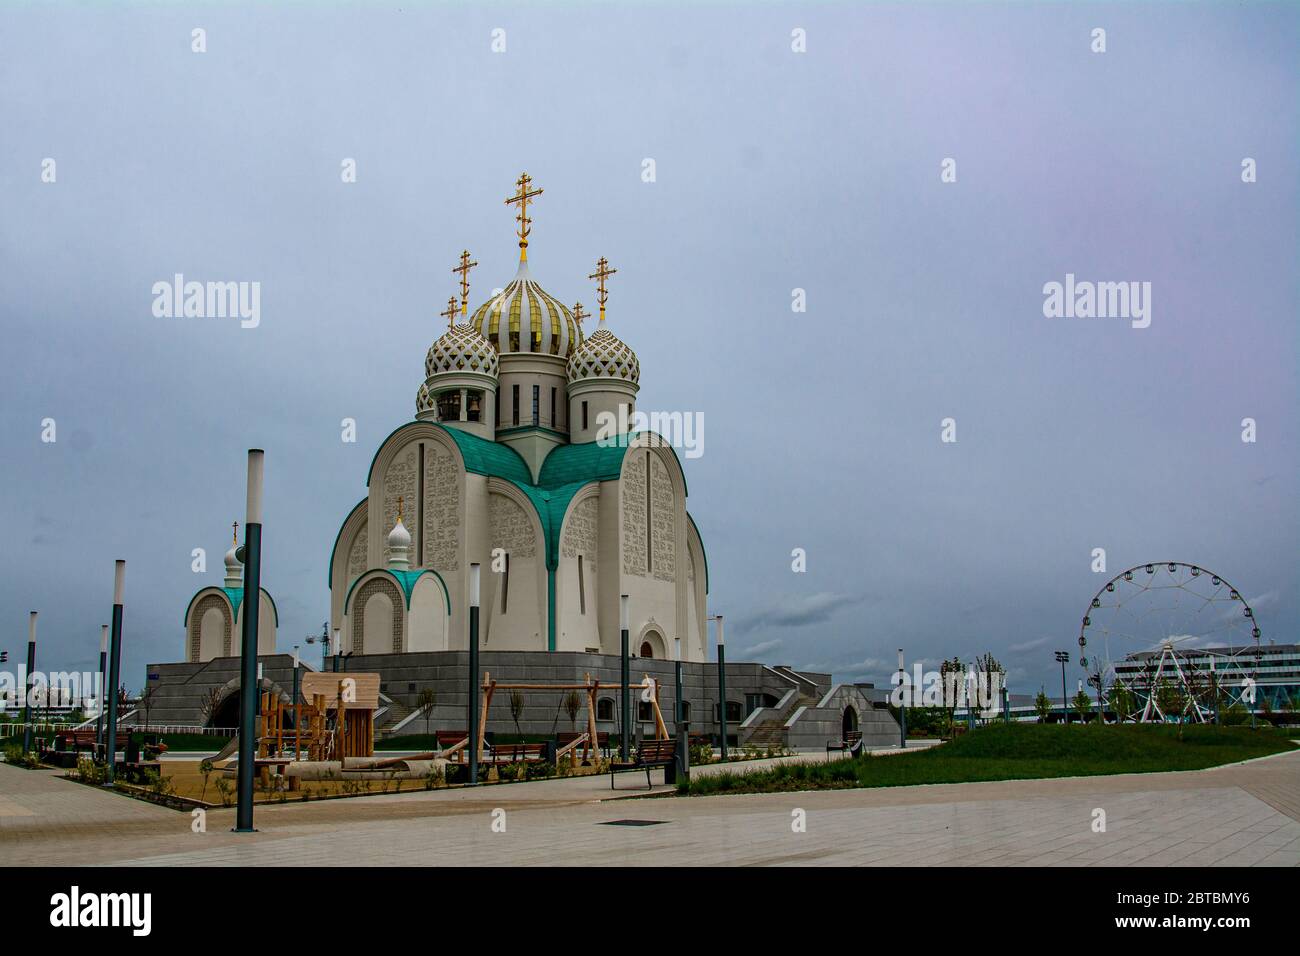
(1172, 642)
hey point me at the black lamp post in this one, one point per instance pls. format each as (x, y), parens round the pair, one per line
(103, 682)
(114, 674)
(625, 672)
(248, 683)
(27, 683)
(473, 672)
(722, 684)
(1063, 658)
(905, 695)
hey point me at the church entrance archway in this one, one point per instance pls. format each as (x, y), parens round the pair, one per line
(652, 645)
(226, 713)
(849, 723)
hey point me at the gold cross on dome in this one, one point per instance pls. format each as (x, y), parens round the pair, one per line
(463, 269)
(603, 272)
(579, 315)
(452, 310)
(399, 509)
(522, 198)
(234, 538)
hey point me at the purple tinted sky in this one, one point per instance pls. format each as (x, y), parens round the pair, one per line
(775, 171)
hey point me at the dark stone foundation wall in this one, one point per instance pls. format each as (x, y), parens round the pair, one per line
(180, 687)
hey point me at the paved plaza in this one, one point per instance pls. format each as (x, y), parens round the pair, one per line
(1244, 814)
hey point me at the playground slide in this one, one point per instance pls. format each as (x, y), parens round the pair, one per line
(228, 750)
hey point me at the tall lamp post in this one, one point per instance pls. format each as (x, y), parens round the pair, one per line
(1063, 658)
(103, 682)
(474, 743)
(625, 671)
(248, 683)
(114, 673)
(722, 684)
(904, 696)
(27, 683)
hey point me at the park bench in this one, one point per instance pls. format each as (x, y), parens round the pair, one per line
(651, 753)
(515, 753)
(852, 742)
(78, 740)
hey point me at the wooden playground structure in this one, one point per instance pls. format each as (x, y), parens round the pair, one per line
(454, 744)
(589, 687)
(333, 721)
(338, 723)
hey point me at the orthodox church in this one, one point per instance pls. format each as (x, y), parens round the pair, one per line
(510, 463)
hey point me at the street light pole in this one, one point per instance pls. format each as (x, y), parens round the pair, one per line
(114, 673)
(474, 742)
(103, 682)
(905, 695)
(722, 684)
(1063, 658)
(249, 690)
(27, 683)
(625, 700)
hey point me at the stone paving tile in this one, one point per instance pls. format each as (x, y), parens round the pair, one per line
(1204, 818)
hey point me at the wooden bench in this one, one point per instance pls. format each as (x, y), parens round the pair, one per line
(78, 740)
(516, 753)
(651, 753)
(852, 742)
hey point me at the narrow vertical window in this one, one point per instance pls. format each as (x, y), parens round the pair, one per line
(582, 589)
(584, 416)
(537, 403)
(514, 391)
(554, 423)
(505, 583)
(649, 521)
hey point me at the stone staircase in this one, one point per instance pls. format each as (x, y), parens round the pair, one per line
(394, 715)
(769, 733)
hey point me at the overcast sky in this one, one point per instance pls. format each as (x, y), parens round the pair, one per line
(775, 171)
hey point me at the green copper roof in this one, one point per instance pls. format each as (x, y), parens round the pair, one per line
(235, 596)
(589, 461)
(406, 580)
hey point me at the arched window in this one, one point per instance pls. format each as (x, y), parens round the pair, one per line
(605, 708)
(647, 650)
(733, 712)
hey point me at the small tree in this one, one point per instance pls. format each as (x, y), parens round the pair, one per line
(952, 672)
(209, 704)
(987, 668)
(424, 705)
(1122, 702)
(148, 697)
(1171, 699)
(1042, 704)
(1083, 704)
(517, 708)
(572, 705)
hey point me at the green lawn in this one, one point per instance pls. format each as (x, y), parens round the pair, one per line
(1012, 752)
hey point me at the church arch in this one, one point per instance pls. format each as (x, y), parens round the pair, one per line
(377, 615)
(652, 639)
(210, 625)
